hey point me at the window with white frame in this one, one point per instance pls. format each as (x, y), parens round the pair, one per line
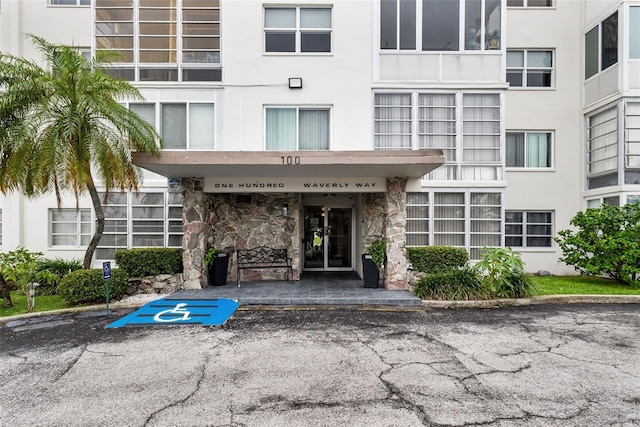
(146, 219)
(529, 3)
(466, 126)
(528, 149)
(297, 128)
(440, 25)
(472, 220)
(485, 222)
(528, 229)
(634, 32)
(601, 46)
(602, 148)
(393, 121)
(632, 140)
(182, 125)
(70, 2)
(530, 68)
(160, 40)
(417, 219)
(69, 227)
(631, 198)
(297, 29)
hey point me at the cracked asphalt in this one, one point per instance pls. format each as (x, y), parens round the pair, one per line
(543, 365)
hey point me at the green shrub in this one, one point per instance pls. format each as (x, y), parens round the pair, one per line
(458, 284)
(502, 272)
(49, 272)
(518, 285)
(87, 286)
(604, 241)
(436, 259)
(378, 251)
(149, 261)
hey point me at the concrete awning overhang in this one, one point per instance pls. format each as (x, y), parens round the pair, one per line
(290, 164)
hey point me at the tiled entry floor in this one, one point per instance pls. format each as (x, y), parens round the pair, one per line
(314, 288)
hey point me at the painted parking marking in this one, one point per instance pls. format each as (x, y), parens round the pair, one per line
(180, 312)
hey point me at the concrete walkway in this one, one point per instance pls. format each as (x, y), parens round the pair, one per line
(322, 288)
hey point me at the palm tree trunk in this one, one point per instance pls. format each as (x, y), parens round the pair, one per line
(97, 207)
(5, 293)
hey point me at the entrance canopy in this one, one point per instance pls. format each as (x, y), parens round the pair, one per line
(290, 164)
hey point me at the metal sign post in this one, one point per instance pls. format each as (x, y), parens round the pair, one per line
(106, 275)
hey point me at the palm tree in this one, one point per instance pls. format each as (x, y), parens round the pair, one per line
(61, 125)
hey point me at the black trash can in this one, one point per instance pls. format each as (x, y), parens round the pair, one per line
(370, 272)
(218, 270)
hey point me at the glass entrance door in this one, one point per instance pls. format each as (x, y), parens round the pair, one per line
(327, 238)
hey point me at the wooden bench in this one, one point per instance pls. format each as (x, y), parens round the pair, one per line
(263, 257)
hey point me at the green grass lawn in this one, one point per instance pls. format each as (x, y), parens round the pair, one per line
(580, 285)
(42, 303)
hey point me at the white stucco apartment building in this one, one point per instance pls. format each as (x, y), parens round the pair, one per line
(318, 126)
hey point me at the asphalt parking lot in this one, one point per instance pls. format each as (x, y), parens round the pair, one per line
(542, 365)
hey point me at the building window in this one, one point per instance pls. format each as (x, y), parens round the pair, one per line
(602, 151)
(69, 227)
(417, 219)
(528, 150)
(632, 136)
(449, 219)
(529, 3)
(466, 126)
(297, 29)
(297, 128)
(182, 125)
(163, 40)
(634, 32)
(528, 229)
(631, 198)
(485, 222)
(146, 219)
(393, 120)
(472, 220)
(174, 220)
(440, 25)
(70, 2)
(530, 68)
(601, 46)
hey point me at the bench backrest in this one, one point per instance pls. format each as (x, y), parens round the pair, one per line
(262, 255)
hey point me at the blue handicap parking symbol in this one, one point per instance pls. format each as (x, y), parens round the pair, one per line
(180, 312)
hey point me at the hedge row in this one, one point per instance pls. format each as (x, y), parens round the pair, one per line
(460, 284)
(434, 259)
(149, 261)
(87, 286)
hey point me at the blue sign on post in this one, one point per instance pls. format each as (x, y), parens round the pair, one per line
(106, 270)
(106, 275)
(180, 312)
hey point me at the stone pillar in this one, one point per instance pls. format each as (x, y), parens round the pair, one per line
(372, 218)
(395, 233)
(196, 230)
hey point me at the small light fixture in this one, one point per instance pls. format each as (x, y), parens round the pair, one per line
(285, 211)
(295, 82)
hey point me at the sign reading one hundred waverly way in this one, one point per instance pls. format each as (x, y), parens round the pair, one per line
(295, 185)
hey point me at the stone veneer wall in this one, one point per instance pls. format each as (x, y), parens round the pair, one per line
(373, 218)
(395, 232)
(385, 215)
(195, 224)
(161, 284)
(256, 223)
